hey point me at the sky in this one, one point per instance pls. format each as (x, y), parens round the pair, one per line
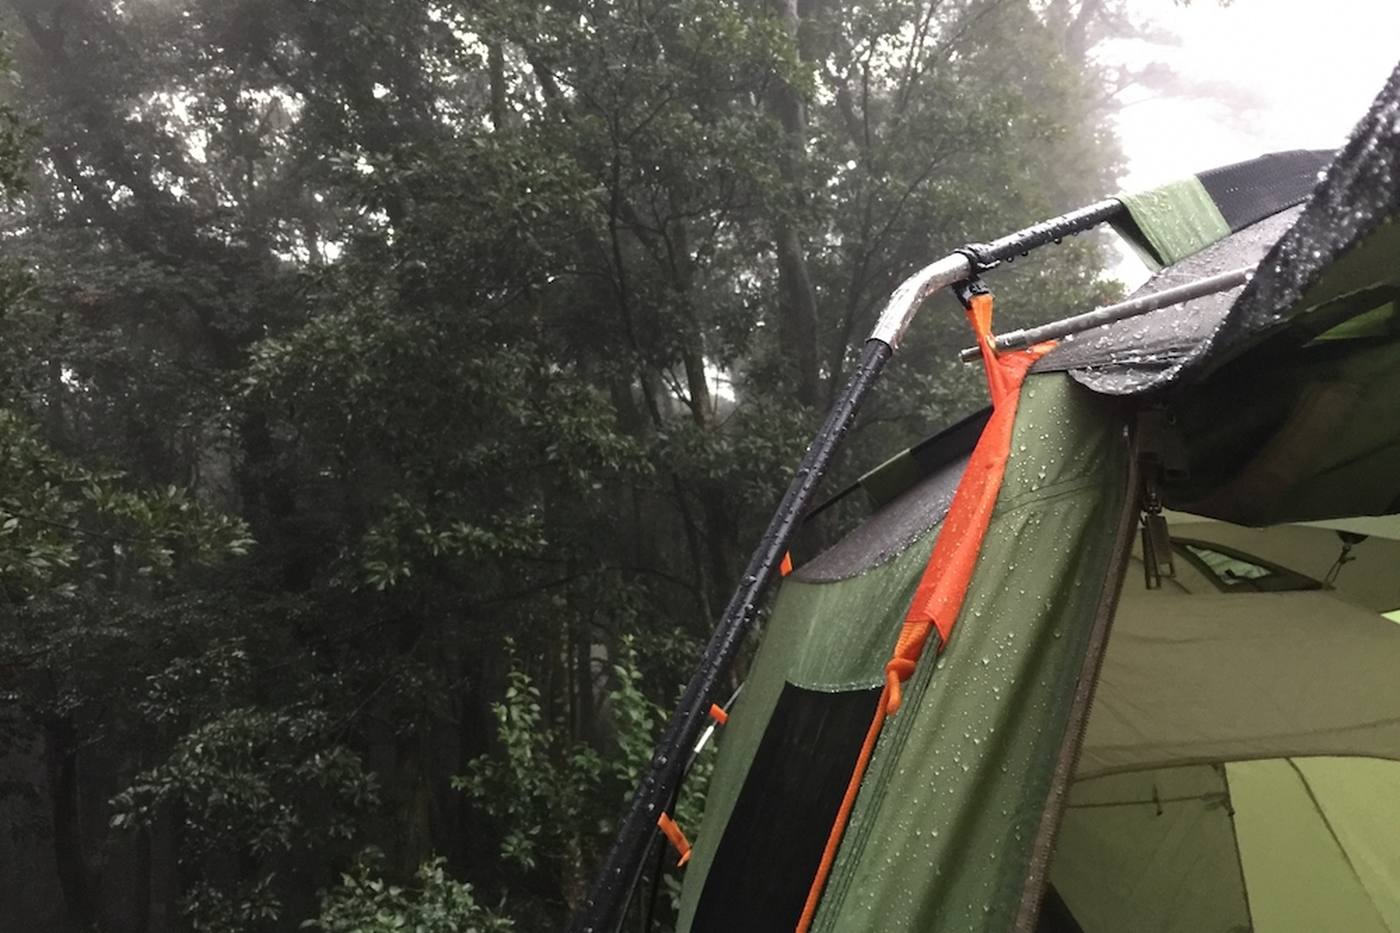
(1302, 71)
(1283, 74)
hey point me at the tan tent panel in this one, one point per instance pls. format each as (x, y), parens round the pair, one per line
(1224, 677)
(1241, 767)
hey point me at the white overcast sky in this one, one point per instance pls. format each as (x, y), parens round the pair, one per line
(1309, 68)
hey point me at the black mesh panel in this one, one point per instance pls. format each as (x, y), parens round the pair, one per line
(778, 829)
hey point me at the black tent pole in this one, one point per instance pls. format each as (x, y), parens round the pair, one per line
(612, 888)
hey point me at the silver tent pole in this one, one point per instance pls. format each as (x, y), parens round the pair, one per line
(1133, 307)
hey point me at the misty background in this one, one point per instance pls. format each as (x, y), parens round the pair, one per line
(366, 492)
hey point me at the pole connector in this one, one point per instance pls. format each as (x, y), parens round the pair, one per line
(969, 288)
(978, 258)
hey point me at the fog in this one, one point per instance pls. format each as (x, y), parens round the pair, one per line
(1279, 75)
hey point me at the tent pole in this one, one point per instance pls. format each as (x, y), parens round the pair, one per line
(1133, 307)
(612, 888)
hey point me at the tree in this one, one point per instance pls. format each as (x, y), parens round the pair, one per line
(356, 342)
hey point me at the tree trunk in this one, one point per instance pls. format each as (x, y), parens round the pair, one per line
(798, 300)
(69, 848)
(496, 65)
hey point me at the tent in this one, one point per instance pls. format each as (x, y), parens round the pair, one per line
(1111, 656)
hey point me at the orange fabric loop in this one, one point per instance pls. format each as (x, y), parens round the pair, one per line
(948, 573)
(672, 831)
(785, 567)
(896, 672)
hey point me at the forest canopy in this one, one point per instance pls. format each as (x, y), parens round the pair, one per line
(390, 393)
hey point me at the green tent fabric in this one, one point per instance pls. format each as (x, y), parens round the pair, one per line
(836, 634)
(985, 730)
(1176, 220)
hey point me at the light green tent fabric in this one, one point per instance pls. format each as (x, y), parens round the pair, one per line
(1333, 863)
(1293, 845)
(1152, 852)
(1174, 221)
(1241, 768)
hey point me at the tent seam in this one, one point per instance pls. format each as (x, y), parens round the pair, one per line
(1336, 840)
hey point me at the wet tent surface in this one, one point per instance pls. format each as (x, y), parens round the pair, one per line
(1138, 354)
(891, 530)
(929, 840)
(1355, 199)
(960, 771)
(778, 828)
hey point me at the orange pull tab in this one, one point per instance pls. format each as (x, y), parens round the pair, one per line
(979, 315)
(718, 714)
(785, 567)
(671, 831)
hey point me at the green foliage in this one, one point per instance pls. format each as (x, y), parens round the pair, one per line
(544, 788)
(259, 787)
(547, 792)
(15, 138)
(61, 523)
(364, 903)
(392, 392)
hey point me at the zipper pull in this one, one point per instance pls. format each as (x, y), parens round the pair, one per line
(1156, 537)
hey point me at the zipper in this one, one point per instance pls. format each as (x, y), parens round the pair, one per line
(1067, 760)
(890, 747)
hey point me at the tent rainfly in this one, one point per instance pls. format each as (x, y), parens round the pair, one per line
(1113, 656)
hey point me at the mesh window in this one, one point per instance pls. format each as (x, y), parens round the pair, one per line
(776, 833)
(1236, 572)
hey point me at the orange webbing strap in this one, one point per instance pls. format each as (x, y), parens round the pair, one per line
(948, 573)
(671, 831)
